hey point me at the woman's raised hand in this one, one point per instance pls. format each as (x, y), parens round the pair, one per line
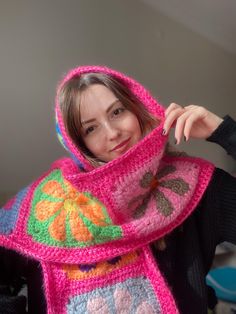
(190, 121)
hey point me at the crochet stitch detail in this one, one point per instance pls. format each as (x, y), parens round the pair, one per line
(85, 271)
(152, 183)
(134, 295)
(62, 216)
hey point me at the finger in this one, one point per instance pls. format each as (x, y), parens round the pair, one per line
(180, 126)
(171, 107)
(198, 114)
(201, 111)
(173, 115)
(189, 125)
(191, 107)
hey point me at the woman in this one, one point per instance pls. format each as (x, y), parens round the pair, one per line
(124, 225)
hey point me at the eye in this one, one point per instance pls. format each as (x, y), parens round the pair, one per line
(89, 130)
(118, 111)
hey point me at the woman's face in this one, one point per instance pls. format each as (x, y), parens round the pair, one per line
(108, 128)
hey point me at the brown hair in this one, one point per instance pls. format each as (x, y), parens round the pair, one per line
(69, 97)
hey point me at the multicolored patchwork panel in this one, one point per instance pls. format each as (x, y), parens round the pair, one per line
(129, 283)
(62, 216)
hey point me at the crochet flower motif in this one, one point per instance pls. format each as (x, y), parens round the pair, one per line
(84, 271)
(122, 304)
(154, 184)
(64, 215)
(134, 295)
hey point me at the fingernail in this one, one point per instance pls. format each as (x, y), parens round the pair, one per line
(163, 132)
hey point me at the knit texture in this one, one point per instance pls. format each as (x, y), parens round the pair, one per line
(91, 228)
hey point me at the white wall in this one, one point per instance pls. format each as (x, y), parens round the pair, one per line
(40, 40)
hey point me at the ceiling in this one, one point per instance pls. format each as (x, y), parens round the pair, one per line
(213, 19)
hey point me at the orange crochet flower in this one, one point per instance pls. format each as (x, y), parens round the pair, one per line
(65, 203)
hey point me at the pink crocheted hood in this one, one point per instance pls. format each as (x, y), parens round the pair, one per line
(137, 89)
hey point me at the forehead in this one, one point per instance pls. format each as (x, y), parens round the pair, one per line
(94, 99)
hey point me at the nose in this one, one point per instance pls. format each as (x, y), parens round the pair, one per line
(112, 131)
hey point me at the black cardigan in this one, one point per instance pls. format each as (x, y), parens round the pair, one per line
(184, 262)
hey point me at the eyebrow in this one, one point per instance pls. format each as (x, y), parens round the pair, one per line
(107, 110)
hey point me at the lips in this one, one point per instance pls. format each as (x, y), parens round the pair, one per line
(121, 146)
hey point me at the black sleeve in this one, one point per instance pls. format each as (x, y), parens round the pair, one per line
(219, 202)
(16, 271)
(225, 136)
(11, 282)
(222, 189)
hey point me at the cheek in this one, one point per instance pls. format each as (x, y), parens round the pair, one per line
(94, 145)
(134, 126)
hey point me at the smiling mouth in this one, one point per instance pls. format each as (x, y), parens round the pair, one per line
(121, 145)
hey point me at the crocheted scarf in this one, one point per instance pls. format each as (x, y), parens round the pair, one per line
(91, 228)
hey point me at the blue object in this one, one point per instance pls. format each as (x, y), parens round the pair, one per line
(223, 281)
